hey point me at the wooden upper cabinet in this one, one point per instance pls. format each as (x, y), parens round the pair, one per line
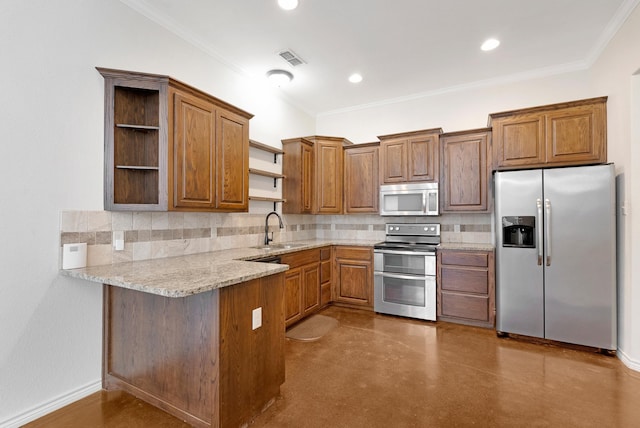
(410, 157)
(314, 170)
(572, 133)
(232, 162)
(298, 168)
(194, 151)
(361, 182)
(465, 171)
(169, 146)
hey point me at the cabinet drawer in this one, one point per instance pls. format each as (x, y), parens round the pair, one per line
(465, 280)
(301, 258)
(465, 258)
(325, 253)
(465, 306)
(353, 253)
(325, 271)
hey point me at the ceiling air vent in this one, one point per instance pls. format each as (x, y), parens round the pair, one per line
(291, 57)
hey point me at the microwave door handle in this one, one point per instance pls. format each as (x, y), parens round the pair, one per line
(539, 229)
(424, 202)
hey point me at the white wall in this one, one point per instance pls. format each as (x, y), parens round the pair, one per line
(52, 160)
(610, 75)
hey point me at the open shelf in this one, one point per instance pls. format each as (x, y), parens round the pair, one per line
(137, 127)
(265, 199)
(141, 168)
(266, 148)
(265, 173)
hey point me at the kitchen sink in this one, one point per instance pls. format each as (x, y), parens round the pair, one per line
(284, 246)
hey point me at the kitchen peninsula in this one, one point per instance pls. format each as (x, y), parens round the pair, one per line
(199, 336)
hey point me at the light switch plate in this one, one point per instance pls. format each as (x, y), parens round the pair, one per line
(256, 318)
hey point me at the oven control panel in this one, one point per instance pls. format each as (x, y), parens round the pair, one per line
(418, 229)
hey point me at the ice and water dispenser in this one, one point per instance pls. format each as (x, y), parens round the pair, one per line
(518, 231)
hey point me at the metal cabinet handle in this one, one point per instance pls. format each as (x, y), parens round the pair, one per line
(547, 229)
(539, 228)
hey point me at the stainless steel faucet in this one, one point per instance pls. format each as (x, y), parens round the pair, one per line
(266, 227)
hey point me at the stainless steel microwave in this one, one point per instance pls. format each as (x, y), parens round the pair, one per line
(419, 199)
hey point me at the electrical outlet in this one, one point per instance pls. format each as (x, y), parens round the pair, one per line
(256, 318)
(118, 240)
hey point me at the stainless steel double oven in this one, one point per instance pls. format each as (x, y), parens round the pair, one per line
(405, 271)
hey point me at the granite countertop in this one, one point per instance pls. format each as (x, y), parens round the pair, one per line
(192, 274)
(466, 246)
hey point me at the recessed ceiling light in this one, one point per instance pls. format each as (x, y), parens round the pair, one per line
(288, 4)
(279, 77)
(490, 44)
(355, 78)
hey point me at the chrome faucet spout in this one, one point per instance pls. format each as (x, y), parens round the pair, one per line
(266, 227)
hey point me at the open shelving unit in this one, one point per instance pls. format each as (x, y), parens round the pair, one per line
(274, 175)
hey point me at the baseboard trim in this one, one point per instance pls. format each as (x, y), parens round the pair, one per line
(52, 405)
(628, 361)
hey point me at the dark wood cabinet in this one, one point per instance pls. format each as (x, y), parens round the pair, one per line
(466, 287)
(571, 133)
(353, 278)
(410, 157)
(361, 181)
(197, 357)
(314, 170)
(465, 172)
(169, 146)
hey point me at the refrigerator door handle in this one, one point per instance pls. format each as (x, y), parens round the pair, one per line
(547, 229)
(539, 221)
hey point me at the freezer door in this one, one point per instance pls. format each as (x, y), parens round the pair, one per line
(519, 277)
(580, 279)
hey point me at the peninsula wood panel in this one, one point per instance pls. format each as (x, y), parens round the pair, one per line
(197, 357)
(361, 181)
(465, 171)
(164, 351)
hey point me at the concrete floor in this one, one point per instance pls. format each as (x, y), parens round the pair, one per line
(382, 371)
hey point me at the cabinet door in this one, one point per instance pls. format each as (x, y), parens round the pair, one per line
(232, 162)
(393, 161)
(311, 288)
(293, 296)
(307, 179)
(193, 152)
(465, 172)
(576, 135)
(329, 177)
(354, 282)
(518, 140)
(422, 163)
(361, 180)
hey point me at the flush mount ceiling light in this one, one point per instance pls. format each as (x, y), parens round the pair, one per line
(279, 77)
(355, 78)
(288, 4)
(490, 44)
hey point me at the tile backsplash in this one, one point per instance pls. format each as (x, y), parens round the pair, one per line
(150, 235)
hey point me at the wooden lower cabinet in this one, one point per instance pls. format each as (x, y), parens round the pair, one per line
(303, 293)
(353, 277)
(466, 287)
(197, 357)
(326, 268)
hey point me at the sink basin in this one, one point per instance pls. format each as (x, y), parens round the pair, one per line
(278, 246)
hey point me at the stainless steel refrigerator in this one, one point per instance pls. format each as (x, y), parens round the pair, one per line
(556, 254)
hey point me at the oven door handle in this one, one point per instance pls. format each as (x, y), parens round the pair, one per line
(406, 253)
(398, 276)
